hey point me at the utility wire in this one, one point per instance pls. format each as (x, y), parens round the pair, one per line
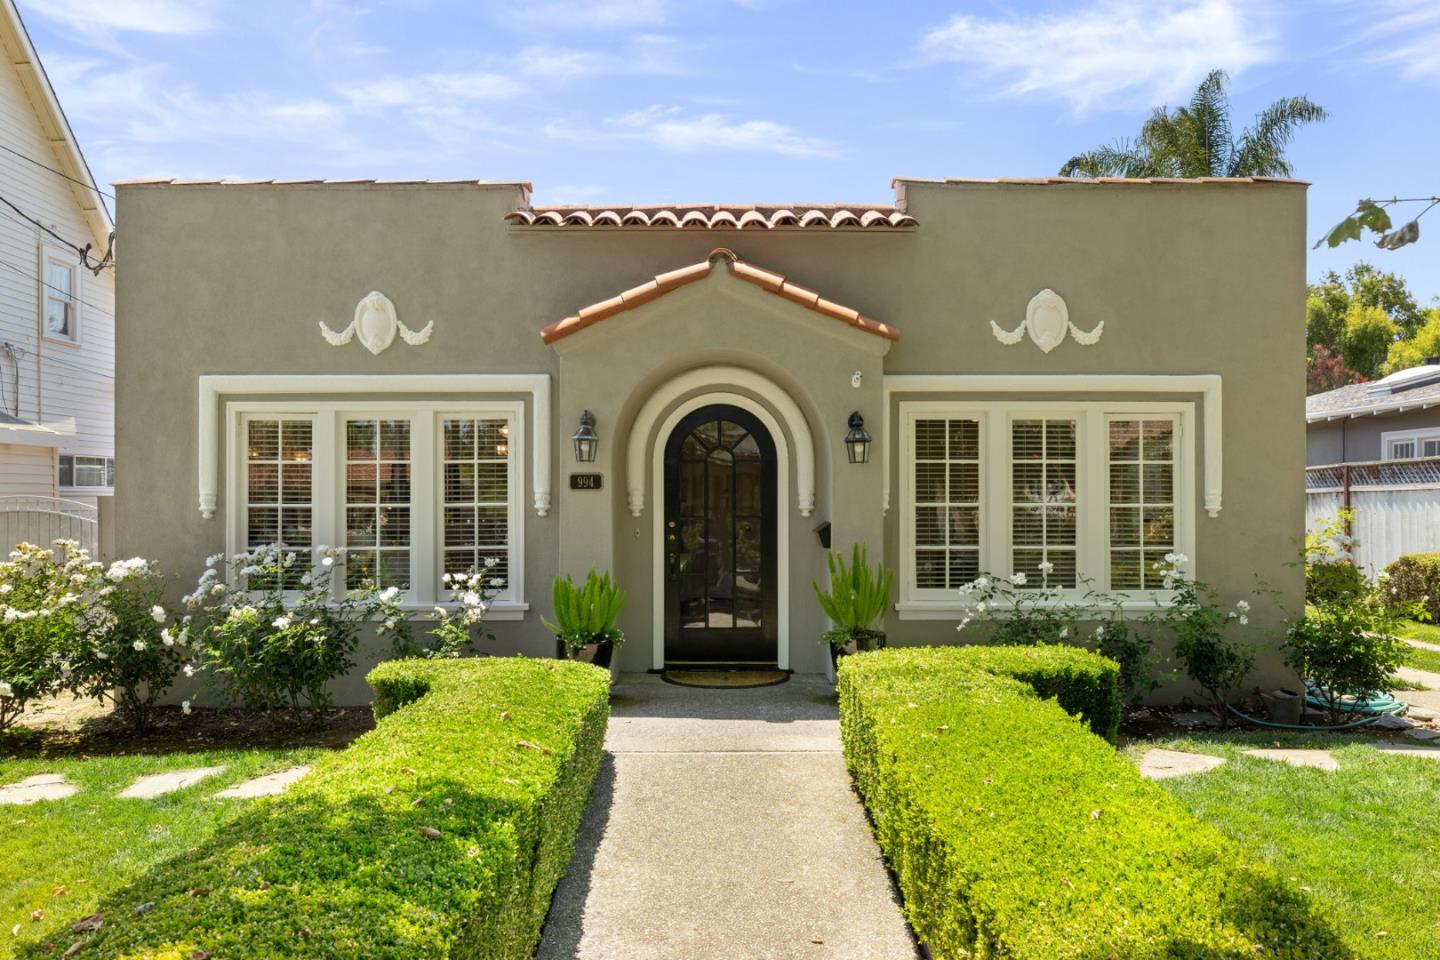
(58, 173)
(26, 273)
(106, 261)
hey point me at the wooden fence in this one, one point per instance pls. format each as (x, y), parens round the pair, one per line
(1396, 505)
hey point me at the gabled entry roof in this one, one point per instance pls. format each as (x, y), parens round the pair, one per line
(764, 279)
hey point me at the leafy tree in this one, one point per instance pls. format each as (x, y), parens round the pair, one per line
(1412, 352)
(1367, 339)
(1325, 370)
(1372, 215)
(1196, 140)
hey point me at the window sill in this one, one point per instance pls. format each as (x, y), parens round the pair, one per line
(502, 611)
(90, 491)
(953, 610)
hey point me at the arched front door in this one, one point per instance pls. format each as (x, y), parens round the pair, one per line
(720, 539)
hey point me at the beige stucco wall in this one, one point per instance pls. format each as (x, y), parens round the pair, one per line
(1358, 440)
(1198, 278)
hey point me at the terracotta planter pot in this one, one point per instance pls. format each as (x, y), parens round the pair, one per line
(598, 653)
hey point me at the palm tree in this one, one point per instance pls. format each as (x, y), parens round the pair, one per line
(1195, 141)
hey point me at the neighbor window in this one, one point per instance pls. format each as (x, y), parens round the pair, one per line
(1086, 496)
(60, 318)
(408, 494)
(86, 472)
(1409, 444)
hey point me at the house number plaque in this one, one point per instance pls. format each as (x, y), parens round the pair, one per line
(585, 481)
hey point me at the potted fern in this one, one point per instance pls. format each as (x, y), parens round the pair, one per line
(585, 618)
(855, 602)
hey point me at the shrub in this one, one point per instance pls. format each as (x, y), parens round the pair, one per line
(1415, 579)
(1217, 664)
(278, 631)
(1345, 647)
(1331, 580)
(125, 648)
(456, 630)
(441, 833)
(856, 600)
(36, 624)
(1015, 833)
(586, 614)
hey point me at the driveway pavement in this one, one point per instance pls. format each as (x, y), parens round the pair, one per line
(723, 826)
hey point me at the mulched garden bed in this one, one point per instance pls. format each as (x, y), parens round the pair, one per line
(203, 729)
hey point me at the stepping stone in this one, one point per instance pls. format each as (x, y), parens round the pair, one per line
(266, 786)
(1319, 759)
(1406, 750)
(1161, 764)
(159, 784)
(42, 786)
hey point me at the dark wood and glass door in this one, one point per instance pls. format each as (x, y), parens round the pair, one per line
(720, 539)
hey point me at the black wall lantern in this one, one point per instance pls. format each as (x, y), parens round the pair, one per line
(586, 440)
(857, 441)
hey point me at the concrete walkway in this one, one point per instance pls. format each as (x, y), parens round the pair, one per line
(723, 826)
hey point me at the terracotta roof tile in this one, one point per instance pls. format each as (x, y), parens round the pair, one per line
(709, 216)
(767, 280)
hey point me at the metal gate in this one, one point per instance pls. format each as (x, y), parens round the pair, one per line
(43, 520)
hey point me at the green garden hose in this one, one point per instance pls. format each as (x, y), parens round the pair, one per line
(1372, 707)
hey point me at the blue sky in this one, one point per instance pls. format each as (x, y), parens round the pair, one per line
(735, 100)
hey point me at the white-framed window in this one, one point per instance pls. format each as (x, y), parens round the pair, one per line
(409, 492)
(78, 472)
(59, 296)
(1409, 444)
(1085, 495)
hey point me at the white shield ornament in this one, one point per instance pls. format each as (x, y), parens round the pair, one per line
(1047, 321)
(376, 323)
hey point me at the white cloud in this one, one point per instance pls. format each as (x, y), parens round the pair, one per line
(141, 16)
(672, 129)
(644, 54)
(1113, 52)
(432, 90)
(587, 14)
(1407, 35)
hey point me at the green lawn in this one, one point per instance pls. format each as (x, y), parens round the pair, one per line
(61, 857)
(1364, 840)
(1415, 657)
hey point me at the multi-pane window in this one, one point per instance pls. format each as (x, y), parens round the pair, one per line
(59, 301)
(82, 471)
(475, 485)
(1044, 500)
(377, 503)
(947, 502)
(1142, 500)
(279, 492)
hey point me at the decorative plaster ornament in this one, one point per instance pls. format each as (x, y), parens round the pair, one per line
(376, 323)
(1047, 321)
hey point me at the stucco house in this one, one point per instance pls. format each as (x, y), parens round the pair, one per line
(57, 325)
(1086, 374)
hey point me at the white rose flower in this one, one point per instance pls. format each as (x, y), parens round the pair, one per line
(282, 622)
(1018, 579)
(157, 613)
(1244, 620)
(167, 637)
(389, 594)
(980, 606)
(139, 646)
(1243, 606)
(6, 691)
(1046, 567)
(327, 562)
(185, 707)
(189, 670)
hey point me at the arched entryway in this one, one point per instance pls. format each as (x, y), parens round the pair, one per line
(720, 539)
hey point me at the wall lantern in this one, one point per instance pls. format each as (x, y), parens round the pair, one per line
(586, 440)
(857, 441)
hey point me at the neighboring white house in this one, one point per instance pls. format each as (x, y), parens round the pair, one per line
(57, 325)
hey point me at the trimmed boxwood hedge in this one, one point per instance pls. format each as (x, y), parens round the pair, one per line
(441, 833)
(1415, 578)
(1014, 832)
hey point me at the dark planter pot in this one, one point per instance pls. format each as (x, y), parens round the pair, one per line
(868, 640)
(598, 653)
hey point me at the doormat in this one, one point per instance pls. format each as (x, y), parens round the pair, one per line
(725, 679)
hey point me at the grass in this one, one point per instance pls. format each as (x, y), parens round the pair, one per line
(1415, 657)
(1362, 840)
(62, 857)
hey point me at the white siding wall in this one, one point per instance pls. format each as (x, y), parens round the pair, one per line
(55, 380)
(26, 471)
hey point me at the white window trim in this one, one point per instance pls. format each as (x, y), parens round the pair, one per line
(1092, 478)
(48, 252)
(1389, 438)
(104, 490)
(212, 386)
(1208, 385)
(426, 498)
